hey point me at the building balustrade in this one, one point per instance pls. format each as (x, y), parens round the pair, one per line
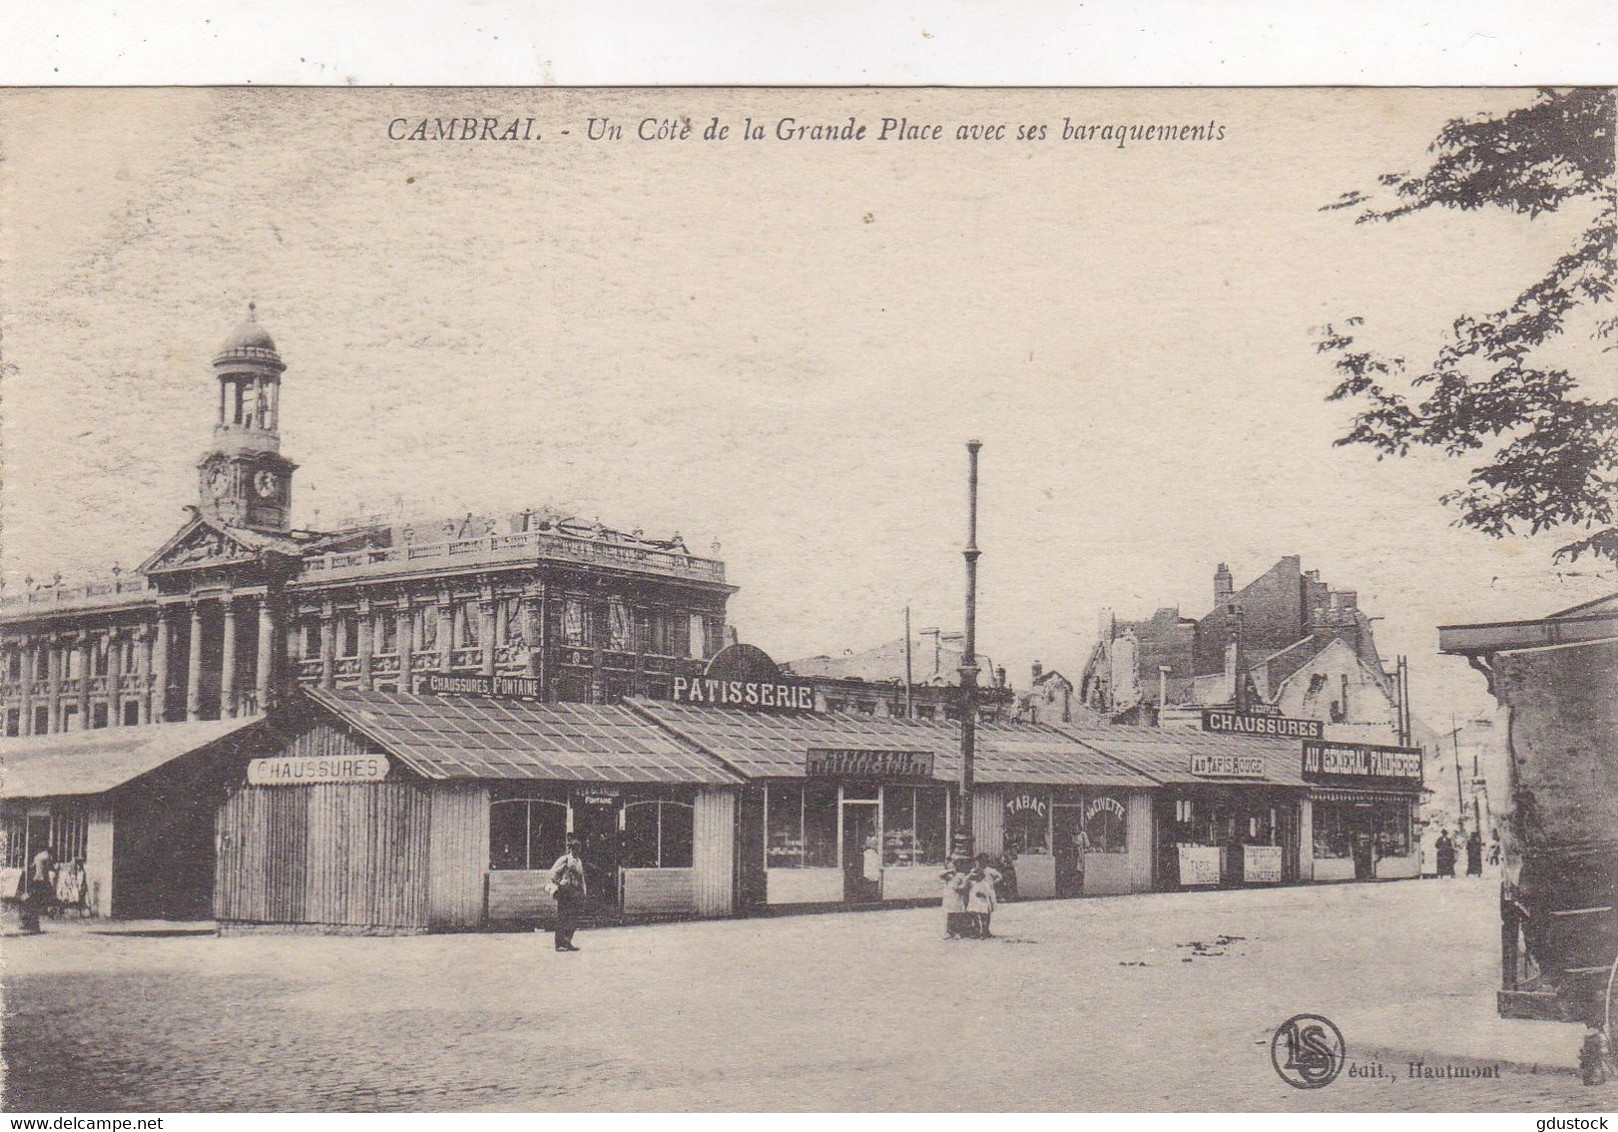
(112, 591)
(346, 666)
(466, 658)
(525, 546)
(309, 669)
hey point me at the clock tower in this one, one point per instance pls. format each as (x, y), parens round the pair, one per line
(244, 480)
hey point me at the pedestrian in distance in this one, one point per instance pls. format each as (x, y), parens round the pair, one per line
(1474, 854)
(956, 879)
(1494, 849)
(981, 896)
(41, 899)
(1446, 855)
(568, 889)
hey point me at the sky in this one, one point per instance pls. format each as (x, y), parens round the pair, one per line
(778, 347)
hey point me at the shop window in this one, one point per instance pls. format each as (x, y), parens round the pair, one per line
(13, 841)
(1184, 811)
(131, 713)
(309, 640)
(70, 834)
(526, 833)
(13, 722)
(800, 826)
(620, 627)
(1028, 823)
(98, 715)
(1331, 831)
(914, 821)
(42, 719)
(1393, 829)
(1106, 825)
(658, 834)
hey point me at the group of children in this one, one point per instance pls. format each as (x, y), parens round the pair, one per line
(969, 897)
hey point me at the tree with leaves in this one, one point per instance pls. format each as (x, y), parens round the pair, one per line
(1542, 440)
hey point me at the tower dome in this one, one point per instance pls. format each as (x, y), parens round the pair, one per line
(249, 342)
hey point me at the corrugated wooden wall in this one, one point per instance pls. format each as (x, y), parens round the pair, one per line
(1139, 840)
(98, 861)
(714, 852)
(341, 854)
(458, 854)
(988, 820)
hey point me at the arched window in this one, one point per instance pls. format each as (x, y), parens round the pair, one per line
(526, 833)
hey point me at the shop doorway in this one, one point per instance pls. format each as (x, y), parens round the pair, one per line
(1067, 845)
(862, 852)
(1362, 838)
(595, 823)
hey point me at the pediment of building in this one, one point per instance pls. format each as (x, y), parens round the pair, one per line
(200, 544)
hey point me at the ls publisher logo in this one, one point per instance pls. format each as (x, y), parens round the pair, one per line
(1308, 1051)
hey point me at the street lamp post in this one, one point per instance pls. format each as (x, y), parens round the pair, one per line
(969, 658)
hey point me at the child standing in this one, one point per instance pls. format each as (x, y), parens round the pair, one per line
(981, 897)
(957, 881)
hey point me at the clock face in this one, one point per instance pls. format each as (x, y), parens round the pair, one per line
(265, 484)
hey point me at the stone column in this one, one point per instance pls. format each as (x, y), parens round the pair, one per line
(86, 666)
(328, 646)
(534, 629)
(143, 673)
(488, 610)
(596, 612)
(406, 632)
(193, 673)
(227, 661)
(53, 689)
(115, 678)
(264, 665)
(25, 726)
(366, 630)
(160, 668)
(446, 632)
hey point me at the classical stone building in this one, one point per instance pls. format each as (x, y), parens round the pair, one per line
(240, 603)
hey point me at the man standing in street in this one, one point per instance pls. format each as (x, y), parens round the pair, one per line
(567, 887)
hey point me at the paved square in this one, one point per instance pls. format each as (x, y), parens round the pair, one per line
(1090, 1004)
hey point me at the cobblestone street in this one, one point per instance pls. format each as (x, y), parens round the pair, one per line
(1144, 1002)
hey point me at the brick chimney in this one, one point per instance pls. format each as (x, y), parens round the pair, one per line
(1224, 585)
(1038, 670)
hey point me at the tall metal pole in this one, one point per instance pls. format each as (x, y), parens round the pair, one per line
(910, 679)
(969, 658)
(1460, 801)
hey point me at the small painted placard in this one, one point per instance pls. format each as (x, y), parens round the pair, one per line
(1261, 864)
(1199, 864)
(309, 770)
